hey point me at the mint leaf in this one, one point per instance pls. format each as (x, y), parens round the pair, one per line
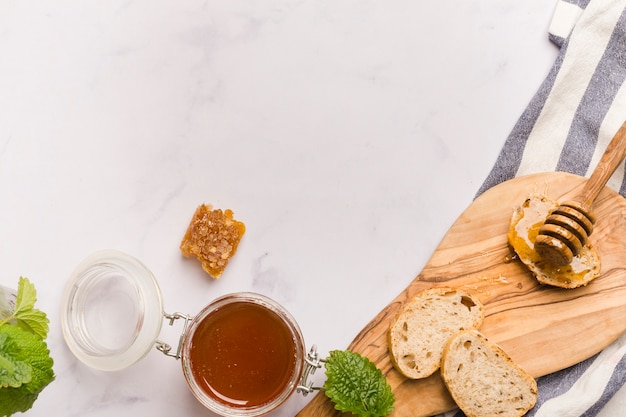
(13, 372)
(27, 316)
(19, 349)
(356, 385)
(35, 322)
(26, 296)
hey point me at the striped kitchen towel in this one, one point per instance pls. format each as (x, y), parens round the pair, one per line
(566, 127)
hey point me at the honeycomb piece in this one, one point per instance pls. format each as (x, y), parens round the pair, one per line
(212, 237)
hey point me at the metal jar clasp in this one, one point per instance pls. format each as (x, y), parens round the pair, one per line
(312, 363)
(166, 348)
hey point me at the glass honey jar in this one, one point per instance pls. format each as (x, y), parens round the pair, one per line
(242, 355)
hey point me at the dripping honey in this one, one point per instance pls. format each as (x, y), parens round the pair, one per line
(243, 355)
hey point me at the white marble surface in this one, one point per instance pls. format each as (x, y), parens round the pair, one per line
(347, 135)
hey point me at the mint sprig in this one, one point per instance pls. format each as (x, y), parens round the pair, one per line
(25, 362)
(27, 316)
(356, 385)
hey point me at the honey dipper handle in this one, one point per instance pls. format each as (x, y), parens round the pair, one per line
(611, 159)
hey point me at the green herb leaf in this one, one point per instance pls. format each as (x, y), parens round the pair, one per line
(27, 316)
(356, 385)
(14, 371)
(28, 360)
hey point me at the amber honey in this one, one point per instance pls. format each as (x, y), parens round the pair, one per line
(243, 355)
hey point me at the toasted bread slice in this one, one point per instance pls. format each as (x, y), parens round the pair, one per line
(419, 332)
(212, 237)
(525, 224)
(483, 380)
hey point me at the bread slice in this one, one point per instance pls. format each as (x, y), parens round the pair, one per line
(483, 380)
(419, 332)
(525, 223)
(212, 237)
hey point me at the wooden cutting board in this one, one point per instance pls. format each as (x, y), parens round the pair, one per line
(544, 329)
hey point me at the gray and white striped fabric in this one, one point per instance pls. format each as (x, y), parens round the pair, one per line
(582, 101)
(566, 127)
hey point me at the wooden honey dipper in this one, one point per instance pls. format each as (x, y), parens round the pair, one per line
(567, 228)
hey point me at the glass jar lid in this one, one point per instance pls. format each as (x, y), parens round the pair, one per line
(112, 310)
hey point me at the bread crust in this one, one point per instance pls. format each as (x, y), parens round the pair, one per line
(525, 223)
(483, 379)
(417, 335)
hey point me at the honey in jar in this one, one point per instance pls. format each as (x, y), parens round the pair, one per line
(243, 355)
